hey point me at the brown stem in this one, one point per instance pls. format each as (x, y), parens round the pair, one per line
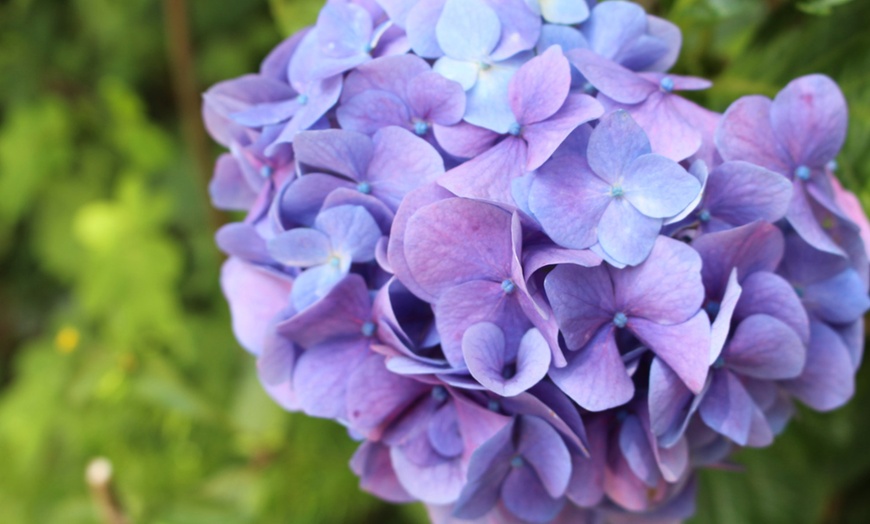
(187, 98)
(99, 479)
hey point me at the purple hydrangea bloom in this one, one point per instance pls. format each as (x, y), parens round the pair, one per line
(488, 238)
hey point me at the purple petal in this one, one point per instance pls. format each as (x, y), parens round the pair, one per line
(543, 449)
(488, 176)
(443, 432)
(242, 240)
(828, 379)
(487, 103)
(374, 394)
(665, 289)
(401, 163)
(659, 187)
(436, 99)
(739, 193)
(322, 96)
(635, 448)
(668, 121)
(540, 86)
(544, 137)
(802, 218)
(371, 463)
(587, 474)
(765, 348)
(483, 346)
(610, 78)
(392, 74)
(721, 326)
(255, 296)
(464, 140)
(566, 12)
(809, 118)
(611, 25)
(320, 378)
(301, 247)
(770, 294)
(684, 347)
(520, 28)
(745, 133)
(468, 29)
(300, 201)
(352, 231)
(229, 190)
(463, 72)
(344, 152)
(568, 201)
(437, 263)
(371, 110)
(840, 299)
(489, 466)
(523, 495)
(433, 484)
(728, 408)
(614, 144)
(595, 378)
(421, 30)
(582, 301)
(754, 247)
(671, 403)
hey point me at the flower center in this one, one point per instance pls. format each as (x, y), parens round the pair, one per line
(803, 172)
(493, 405)
(302, 100)
(832, 165)
(439, 393)
(667, 84)
(620, 320)
(589, 89)
(364, 188)
(712, 308)
(266, 171)
(368, 328)
(508, 286)
(616, 191)
(420, 128)
(517, 462)
(335, 261)
(720, 362)
(704, 216)
(514, 129)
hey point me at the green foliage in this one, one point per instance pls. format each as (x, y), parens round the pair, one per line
(115, 340)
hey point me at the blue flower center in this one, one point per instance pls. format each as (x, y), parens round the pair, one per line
(302, 100)
(266, 171)
(621, 415)
(334, 261)
(832, 165)
(421, 128)
(517, 462)
(508, 371)
(667, 84)
(484, 66)
(616, 191)
(514, 129)
(439, 393)
(508, 286)
(364, 188)
(620, 320)
(589, 89)
(720, 362)
(704, 216)
(802, 172)
(800, 291)
(712, 308)
(368, 48)
(494, 405)
(368, 328)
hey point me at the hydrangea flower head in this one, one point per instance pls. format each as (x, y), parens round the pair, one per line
(491, 239)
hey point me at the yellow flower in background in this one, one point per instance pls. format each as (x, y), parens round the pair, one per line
(67, 339)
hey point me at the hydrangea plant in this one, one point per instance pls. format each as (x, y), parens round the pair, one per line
(535, 283)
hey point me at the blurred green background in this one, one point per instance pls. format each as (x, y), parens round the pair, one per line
(115, 340)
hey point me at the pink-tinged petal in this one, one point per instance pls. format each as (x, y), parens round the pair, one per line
(745, 133)
(443, 432)
(346, 153)
(401, 163)
(520, 28)
(525, 497)
(614, 144)
(533, 360)
(545, 137)
(568, 201)
(229, 190)
(770, 294)
(440, 483)
(665, 289)
(754, 247)
(765, 348)
(476, 423)
(375, 395)
(412, 203)
(462, 306)
(392, 74)
(543, 449)
(625, 234)
(685, 347)
(595, 378)
(371, 110)
(721, 326)
(586, 488)
(437, 262)
(340, 315)
(538, 257)
(739, 193)
(232, 96)
(809, 118)
(372, 465)
(659, 187)
(667, 120)
(436, 99)
(301, 247)
(540, 86)
(802, 218)
(421, 30)
(320, 378)
(255, 296)
(582, 301)
(727, 408)
(828, 379)
(760, 432)
(464, 140)
(489, 466)
(489, 175)
(671, 403)
(635, 448)
(620, 84)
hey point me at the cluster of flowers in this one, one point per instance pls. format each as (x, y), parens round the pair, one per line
(489, 238)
